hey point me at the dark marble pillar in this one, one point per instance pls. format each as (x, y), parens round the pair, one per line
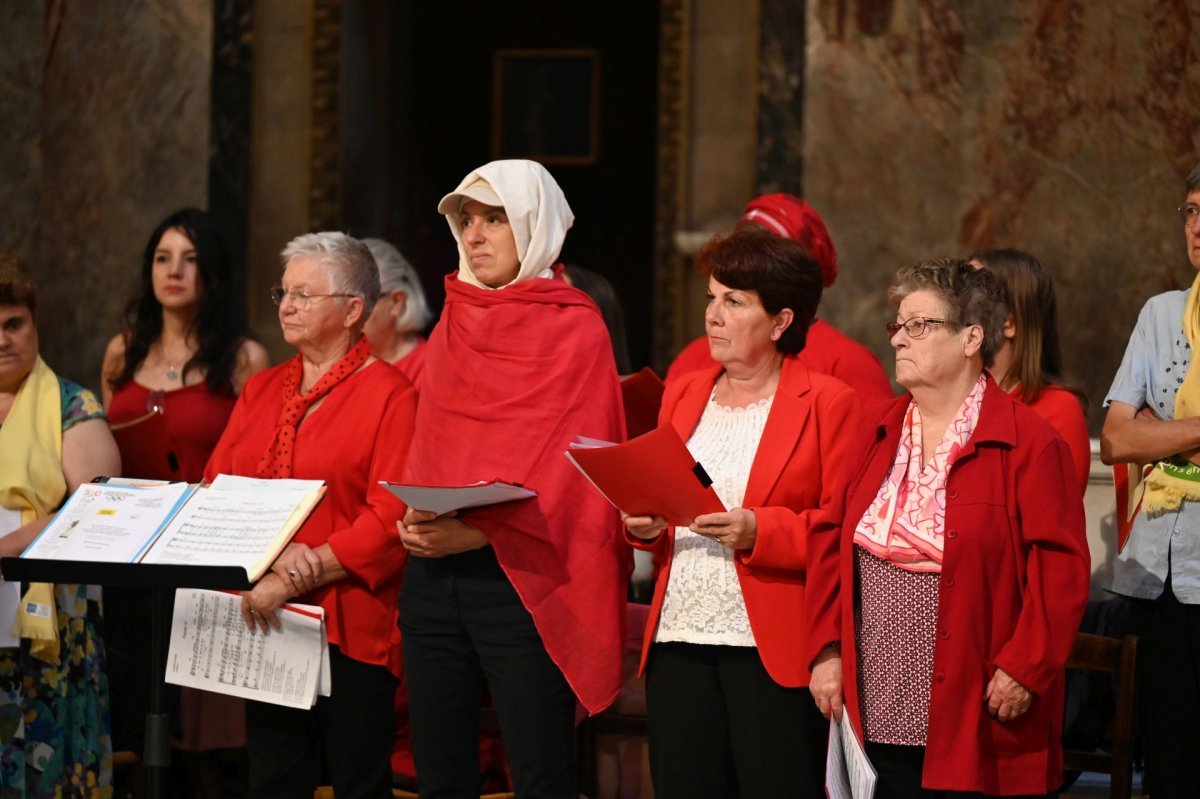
(20, 133)
(781, 97)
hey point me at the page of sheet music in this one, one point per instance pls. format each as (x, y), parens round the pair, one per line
(225, 528)
(848, 772)
(212, 649)
(227, 482)
(10, 593)
(108, 523)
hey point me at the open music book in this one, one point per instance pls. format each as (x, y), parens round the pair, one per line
(233, 521)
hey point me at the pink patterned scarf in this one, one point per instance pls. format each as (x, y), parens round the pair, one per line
(906, 521)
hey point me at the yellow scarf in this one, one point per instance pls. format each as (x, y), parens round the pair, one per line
(32, 482)
(1172, 480)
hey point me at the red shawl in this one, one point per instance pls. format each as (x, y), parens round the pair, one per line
(511, 377)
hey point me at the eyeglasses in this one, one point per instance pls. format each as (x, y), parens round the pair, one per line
(1189, 214)
(914, 327)
(299, 298)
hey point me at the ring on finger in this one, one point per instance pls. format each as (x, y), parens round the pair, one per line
(293, 573)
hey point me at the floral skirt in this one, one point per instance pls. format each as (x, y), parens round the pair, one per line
(54, 723)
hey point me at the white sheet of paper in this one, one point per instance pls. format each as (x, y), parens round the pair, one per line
(445, 499)
(326, 686)
(212, 650)
(234, 482)
(848, 772)
(10, 593)
(107, 523)
(225, 528)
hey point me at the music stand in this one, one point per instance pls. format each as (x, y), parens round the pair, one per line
(162, 580)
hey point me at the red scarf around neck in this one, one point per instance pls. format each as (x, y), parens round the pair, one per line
(512, 376)
(281, 452)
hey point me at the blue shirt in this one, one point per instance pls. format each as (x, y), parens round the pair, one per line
(1156, 359)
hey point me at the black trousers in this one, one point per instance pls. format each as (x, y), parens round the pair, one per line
(462, 623)
(899, 769)
(345, 741)
(1169, 693)
(719, 726)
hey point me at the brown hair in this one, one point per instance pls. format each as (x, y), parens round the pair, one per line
(1029, 293)
(15, 286)
(781, 271)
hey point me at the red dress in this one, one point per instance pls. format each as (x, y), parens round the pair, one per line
(358, 435)
(826, 350)
(412, 365)
(194, 417)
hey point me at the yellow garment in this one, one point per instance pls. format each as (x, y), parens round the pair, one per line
(1172, 480)
(32, 482)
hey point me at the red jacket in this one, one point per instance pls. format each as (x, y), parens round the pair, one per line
(807, 442)
(1014, 584)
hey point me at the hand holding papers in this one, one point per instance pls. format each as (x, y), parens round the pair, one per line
(211, 649)
(443, 499)
(233, 522)
(651, 475)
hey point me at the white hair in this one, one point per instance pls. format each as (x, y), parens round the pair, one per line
(395, 272)
(351, 261)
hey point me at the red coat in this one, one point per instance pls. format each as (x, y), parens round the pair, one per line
(1014, 584)
(826, 350)
(1064, 412)
(809, 438)
(358, 436)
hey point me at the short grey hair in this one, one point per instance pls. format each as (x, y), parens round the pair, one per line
(349, 259)
(395, 272)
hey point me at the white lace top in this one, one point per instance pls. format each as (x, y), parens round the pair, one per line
(703, 602)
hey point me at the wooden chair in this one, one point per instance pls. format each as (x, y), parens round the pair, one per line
(1099, 653)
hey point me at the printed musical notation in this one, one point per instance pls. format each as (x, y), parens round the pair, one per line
(212, 649)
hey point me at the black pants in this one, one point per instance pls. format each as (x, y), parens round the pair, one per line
(1169, 694)
(461, 623)
(345, 741)
(719, 726)
(899, 769)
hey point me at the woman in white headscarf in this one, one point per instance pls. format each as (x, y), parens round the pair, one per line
(526, 595)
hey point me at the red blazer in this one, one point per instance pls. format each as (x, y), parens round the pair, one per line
(808, 441)
(1014, 584)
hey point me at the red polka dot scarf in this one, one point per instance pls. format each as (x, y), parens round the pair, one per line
(277, 460)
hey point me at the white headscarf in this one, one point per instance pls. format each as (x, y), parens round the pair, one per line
(536, 208)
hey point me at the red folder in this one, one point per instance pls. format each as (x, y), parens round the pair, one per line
(146, 448)
(642, 395)
(651, 475)
(1127, 480)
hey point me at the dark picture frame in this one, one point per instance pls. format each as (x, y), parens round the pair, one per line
(546, 106)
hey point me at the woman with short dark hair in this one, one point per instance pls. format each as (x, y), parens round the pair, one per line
(726, 688)
(944, 596)
(54, 740)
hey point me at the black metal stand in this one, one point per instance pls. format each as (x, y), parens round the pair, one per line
(161, 580)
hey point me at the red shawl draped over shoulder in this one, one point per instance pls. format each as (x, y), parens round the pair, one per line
(511, 377)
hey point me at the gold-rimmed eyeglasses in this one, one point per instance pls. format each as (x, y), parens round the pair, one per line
(915, 327)
(299, 297)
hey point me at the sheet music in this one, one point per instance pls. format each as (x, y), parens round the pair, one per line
(108, 523)
(10, 593)
(226, 528)
(234, 482)
(848, 772)
(212, 649)
(443, 499)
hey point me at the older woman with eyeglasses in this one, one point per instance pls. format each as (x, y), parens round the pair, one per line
(333, 412)
(944, 596)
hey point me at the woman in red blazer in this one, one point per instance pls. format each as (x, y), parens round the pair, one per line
(728, 710)
(946, 603)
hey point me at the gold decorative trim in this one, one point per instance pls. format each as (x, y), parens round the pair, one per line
(670, 280)
(324, 207)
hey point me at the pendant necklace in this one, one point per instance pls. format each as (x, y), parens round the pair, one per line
(172, 373)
